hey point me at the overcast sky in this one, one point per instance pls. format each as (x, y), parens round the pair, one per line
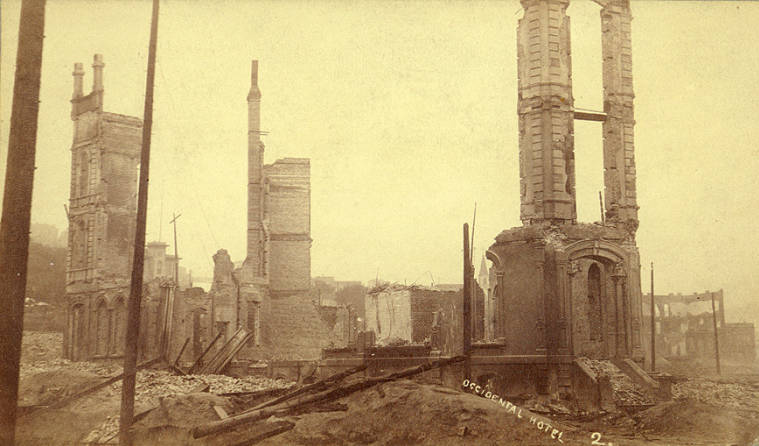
(407, 111)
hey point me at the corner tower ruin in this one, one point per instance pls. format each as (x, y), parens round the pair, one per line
(566, 289)
(102, 213)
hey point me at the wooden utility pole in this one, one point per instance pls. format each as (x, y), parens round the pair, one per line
(135, 292)
(653, 323)
(176, 252)
(467, 304)
(472, 287)
(716, 335)
(601, 204)
(17, 204)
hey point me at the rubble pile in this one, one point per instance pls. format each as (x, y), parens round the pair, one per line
(41, 346)
(721, 393)
(626, 392)
(104, 369)
(153, 386)
(106, 433)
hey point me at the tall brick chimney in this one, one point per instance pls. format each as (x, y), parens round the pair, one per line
(78, 80)
(256, 239)
(97, 70)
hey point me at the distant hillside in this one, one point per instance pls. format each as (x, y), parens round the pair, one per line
(48, 235)
(46, 273)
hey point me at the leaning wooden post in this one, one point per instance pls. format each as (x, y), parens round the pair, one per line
(653, 323)
(467, 304)
(17, 206)
(135, 292)
(716, 335)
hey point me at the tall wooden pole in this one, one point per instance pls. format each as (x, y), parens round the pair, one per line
(467, 304)
(176, 252)
(17, 207)
(716, 335)
(135, 294)
(653, 323)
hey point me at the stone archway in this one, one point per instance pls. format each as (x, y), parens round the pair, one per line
(119, 327)
(77, 333)
(601, 310)
(102, 329)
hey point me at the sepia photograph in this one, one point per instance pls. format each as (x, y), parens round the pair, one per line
(379, 222)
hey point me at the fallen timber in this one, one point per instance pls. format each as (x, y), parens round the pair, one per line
(287, 407)
(175, 364)
(202, 356)
(319, 385)
(227, 351)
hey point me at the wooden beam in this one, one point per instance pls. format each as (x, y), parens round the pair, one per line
(590, 116)
(319, 385)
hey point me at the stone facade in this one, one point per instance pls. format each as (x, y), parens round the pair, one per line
(561, 289)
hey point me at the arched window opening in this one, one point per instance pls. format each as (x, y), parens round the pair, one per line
(119, 327)
(77, 332)
(103, 329)
(84, 177)
(594, 301)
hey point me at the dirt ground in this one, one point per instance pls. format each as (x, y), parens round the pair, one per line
(706, 410)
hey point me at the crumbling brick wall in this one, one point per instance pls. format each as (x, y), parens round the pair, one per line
(288, 211)
(298, 328)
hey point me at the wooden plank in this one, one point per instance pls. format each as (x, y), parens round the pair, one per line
(220, 412)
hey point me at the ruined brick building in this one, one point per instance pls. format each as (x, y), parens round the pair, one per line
(685, 329)
(270, 294)
(268, 297)
(564, 289)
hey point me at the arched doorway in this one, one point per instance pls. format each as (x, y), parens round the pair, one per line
(590, 299)
(119, 327)
(601, 311)
(102, 330)
(594, 302)
(77, 332)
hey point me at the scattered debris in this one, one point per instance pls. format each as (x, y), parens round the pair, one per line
(626, 392)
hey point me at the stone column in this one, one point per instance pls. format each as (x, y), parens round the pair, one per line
(545, 108)
(78, 74)
(619, 157)
(621, 339)
(499, 329)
